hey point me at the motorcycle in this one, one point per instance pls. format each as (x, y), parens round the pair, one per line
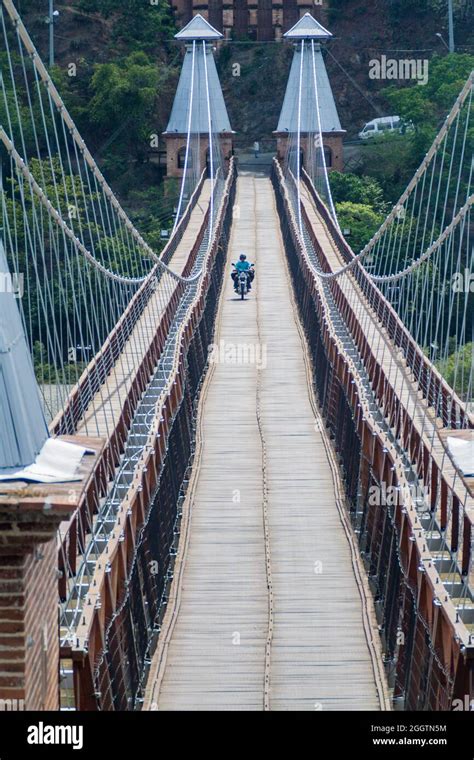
(243, 285)
(241, 282)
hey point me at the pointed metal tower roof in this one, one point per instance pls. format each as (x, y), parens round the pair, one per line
(307, 28)
(22, 423)
(198, 29)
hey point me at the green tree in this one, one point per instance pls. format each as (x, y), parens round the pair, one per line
(358, 189)
(391, 161)
(124, 96)
(427, 106)
(361, 220)
(457, 369)
(138, 24)
(65, 280)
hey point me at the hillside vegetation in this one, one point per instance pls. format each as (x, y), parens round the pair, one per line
(126, 68)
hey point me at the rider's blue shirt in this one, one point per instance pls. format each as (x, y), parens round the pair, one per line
(242, 266)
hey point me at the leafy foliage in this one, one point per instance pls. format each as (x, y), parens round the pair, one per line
(392, 162)
(427, 106)
(52, 279)
(360, 206)
(45, 372)
(456, 369)
(123, 99)
(358, 189)
(361, 220)
(140, 25)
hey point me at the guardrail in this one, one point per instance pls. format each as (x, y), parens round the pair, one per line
(436, 662)
(122, 608)
(453, 494)
(101, 364)
(448, 406)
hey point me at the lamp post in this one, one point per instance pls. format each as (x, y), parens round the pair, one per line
(440, 36)
(450, 46)
(451, 26)
(52, 15)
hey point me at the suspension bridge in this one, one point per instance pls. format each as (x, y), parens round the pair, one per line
(264, 505)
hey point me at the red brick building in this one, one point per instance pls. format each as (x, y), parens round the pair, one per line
(258, 19)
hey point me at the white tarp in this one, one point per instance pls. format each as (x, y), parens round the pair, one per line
(463, 454)
(57, 462)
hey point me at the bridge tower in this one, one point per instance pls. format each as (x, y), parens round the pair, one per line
(29, 520)
(22, 421)
(193, 77)
(302, 73)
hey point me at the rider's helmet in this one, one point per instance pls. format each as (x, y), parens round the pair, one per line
(242, 257)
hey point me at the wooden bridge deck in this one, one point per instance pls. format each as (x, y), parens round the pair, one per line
(268, 609)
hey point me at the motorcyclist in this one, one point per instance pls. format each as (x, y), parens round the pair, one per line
(243, 266)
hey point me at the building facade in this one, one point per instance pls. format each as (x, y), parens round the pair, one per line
(258, 19)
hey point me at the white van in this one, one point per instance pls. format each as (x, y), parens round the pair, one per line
(381, 126)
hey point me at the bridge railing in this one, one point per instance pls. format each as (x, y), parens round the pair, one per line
(96, 374)
(447, 405)
(101, 364)
(412, 594)
(113, 616)
(450, 491)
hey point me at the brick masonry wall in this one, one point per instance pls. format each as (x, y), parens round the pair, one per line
(29, 642)
(334, 142)
(174, 144)
(265, 19)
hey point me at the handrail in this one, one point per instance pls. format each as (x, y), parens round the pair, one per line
(90, 380)
(416, 359)
(159, 429)
(349, 378)
(438, 395)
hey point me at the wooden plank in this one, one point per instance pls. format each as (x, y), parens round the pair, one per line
(262, 468)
